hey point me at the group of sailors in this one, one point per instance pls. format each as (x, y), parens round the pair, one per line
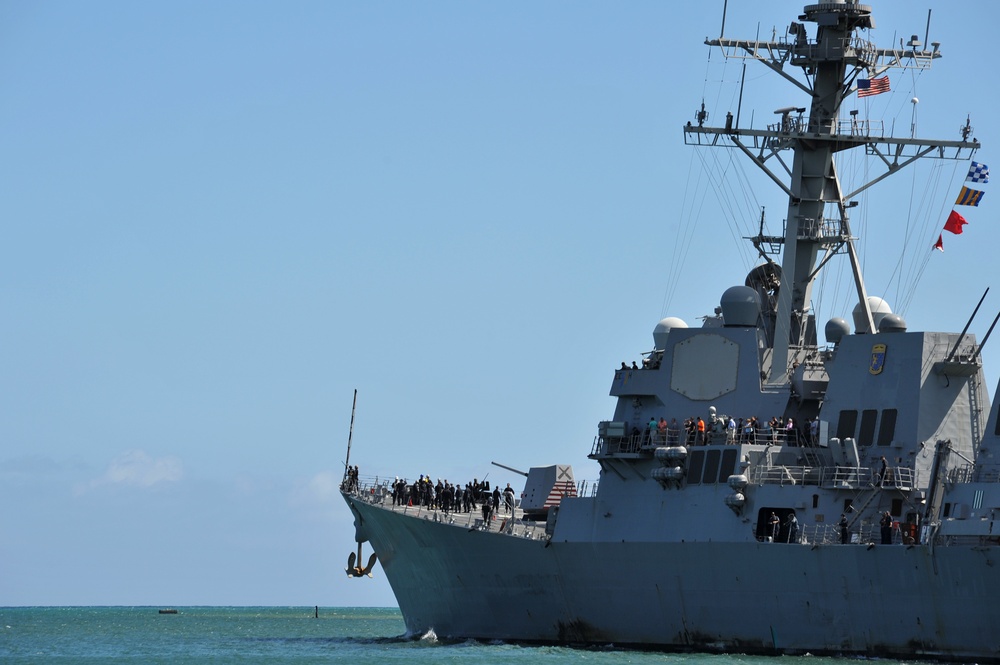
(791, 531)
(447, 497)
(886, 528)
(652, 361)
(776, 532)
(350, 482)
(697, 432)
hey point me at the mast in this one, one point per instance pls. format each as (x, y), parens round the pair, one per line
(831, 63)
(350, 435)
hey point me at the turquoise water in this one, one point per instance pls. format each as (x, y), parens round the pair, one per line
(360, 636)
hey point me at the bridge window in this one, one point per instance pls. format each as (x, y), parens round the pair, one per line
(887, 427)
(712, 466)
(866, 436)
(846, 425)
(696, 462)
(728, 466)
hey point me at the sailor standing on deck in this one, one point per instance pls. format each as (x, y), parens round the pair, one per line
(845, 534)
(793, 528)
(508, 499)
(775, 527)
(885, 523)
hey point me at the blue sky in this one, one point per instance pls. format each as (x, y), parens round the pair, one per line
(221, 218)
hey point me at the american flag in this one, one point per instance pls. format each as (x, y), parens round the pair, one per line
(869, 87)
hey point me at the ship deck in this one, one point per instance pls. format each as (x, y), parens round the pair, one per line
(375, 492)
(513, 523)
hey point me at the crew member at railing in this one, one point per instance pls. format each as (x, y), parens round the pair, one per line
(351, 479)
(673, 433)
(793, 527)
(790, 432)
(885, 524)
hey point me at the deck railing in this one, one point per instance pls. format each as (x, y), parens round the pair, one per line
(509, 522)
(646, 441)
(862, 533)
(845, 477)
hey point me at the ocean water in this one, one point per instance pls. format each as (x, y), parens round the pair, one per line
(220, 635)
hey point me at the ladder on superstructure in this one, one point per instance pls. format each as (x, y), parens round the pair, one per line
(976, 409)
(859, 511)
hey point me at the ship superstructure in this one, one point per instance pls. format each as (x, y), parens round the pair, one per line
(759, 491)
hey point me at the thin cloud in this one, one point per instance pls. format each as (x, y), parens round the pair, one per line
(316, 496)
(321, 488)
(135, 468)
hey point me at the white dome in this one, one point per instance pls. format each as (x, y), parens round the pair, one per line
(879, 309)
(663, 328)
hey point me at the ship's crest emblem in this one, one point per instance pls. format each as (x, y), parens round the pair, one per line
(878, 359)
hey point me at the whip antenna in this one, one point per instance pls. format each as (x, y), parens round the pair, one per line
(350, 434)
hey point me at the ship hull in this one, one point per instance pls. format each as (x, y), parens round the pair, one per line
(892, 601)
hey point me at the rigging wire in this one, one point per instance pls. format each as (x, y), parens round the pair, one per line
(901, 280)
(682, 241)
(698, 186)
(915, 209)
(727, 201)
(932, 224)
(682, 245)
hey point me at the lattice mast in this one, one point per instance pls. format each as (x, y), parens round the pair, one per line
(832, 63)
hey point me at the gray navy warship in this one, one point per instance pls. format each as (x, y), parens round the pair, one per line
(860, 522)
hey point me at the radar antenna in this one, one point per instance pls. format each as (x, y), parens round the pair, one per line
(967, 128)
